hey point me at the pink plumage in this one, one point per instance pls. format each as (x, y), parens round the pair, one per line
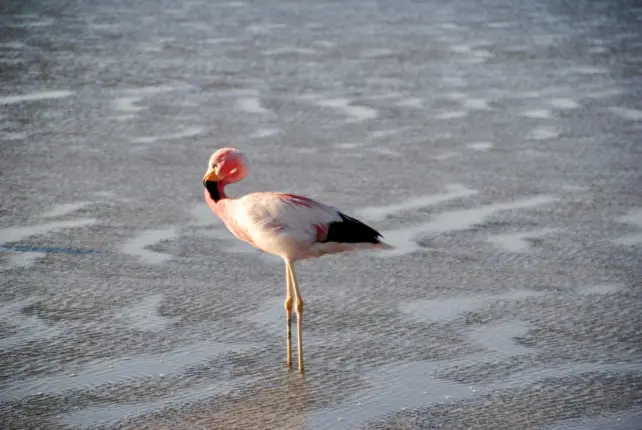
(290, 226)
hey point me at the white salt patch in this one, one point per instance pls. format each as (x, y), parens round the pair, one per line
(155, 89)
(290, 50)
(411, 102)
(102, 26)
(517, 48)
(148, 47)
(165, 40)
(12, 61)
(586, 70)
(309, 97)
(568, 187)
(608, 288)
(144, 315)
(451, 115)
(127, 104)
(536, 113)
(451, 26)
(499, 24)
(564, 103)
(517, 242)
(454, 81)
(16, 234)
(546, 39)
(263, 28)
(612, 92)
(404, 239)
(234, 4)
(480, 146)
(531, 153)
(218, 40)
(376, 53)
(528, 94)
(634, 218)
(448, 309)
(307, 150)
(123, 117)
(25, 259)
(474, 60)
(14, 136)
(348, 145)
(136, 246)
(476, 104)
(627, 113)
(353, 154)
(250, 105)
(597, 50)
(453, 191)
(379, 134)
(446, 155)
(30, 328)
(14, 45)
(482, 54)
(462, 49)
(455, 95)
(531, 376)
(543, 133)
(385, 151)
(101, 372)
(628, 35)
(185, 133)
(391, 388)
(629, 240)
(114, 413)
(107, 194)
(44, 95)
(500, 338)
(65, 209)
(386, 96)
(358, 113)
(265, 132)
(324, 44)
(622, 420)
(417, 385)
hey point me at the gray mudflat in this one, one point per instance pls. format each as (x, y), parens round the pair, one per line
(496, 144)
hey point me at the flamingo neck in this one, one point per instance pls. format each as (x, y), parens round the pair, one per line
(216, 190)
(216, 199)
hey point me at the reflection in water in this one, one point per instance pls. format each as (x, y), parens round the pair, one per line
(282, 404)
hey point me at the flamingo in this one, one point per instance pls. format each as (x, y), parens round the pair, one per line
(290, 226)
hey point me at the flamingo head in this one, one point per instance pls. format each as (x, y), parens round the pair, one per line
(226, 165)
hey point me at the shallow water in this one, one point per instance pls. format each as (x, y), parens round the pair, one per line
(497, 147)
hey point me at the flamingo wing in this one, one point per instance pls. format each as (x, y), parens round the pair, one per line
(301, 218)
(284, 214)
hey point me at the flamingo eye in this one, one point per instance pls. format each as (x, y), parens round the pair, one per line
(234, 170)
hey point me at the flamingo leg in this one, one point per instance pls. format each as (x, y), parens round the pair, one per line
(288, 313)
(299, 314)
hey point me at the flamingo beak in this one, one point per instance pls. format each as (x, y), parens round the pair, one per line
(210, 176)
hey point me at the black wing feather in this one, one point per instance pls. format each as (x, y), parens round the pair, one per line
(350, 230)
